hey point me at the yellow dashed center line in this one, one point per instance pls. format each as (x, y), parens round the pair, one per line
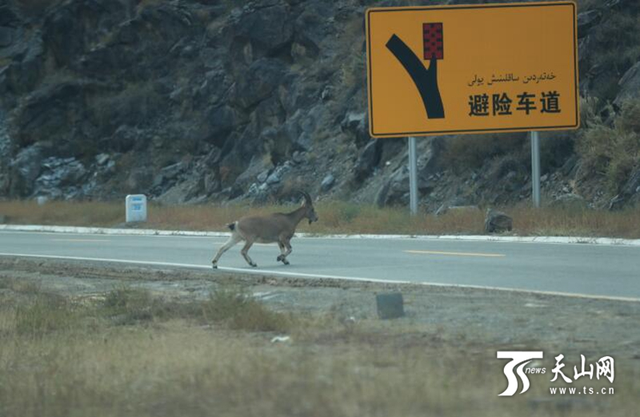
(80, 240)
(433, 252)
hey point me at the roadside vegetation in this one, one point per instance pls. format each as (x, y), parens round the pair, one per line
(612, 149)
(130, 352)
(335, 217)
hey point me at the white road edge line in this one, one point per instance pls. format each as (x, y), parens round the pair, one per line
(335, 277)
(480, 238)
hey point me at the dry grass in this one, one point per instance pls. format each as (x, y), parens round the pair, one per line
(63, 213)
(170, 364)
(566, 222)
(335, 217)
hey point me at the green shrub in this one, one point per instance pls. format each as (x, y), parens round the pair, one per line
(629, 120)
(614, 151)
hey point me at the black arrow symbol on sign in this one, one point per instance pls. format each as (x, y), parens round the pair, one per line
(426, 80)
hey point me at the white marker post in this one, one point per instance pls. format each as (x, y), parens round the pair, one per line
(136, 208)
(413, 176)
(535, 168)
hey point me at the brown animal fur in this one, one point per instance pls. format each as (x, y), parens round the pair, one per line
(277, 227)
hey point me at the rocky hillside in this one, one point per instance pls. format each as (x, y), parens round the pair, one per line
(192, 101)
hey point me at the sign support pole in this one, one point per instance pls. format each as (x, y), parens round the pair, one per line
(535, 168)
(413, 176)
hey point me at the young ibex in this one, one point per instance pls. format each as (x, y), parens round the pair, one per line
(277, 227)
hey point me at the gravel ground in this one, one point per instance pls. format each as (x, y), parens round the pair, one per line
(484, 317)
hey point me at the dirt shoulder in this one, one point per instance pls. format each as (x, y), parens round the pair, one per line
(482, 317)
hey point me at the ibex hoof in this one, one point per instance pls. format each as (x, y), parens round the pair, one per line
(214, 265)
(285, 262)
(253, 264)
(280, 258)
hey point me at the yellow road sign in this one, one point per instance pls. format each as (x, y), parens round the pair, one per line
(472, 69)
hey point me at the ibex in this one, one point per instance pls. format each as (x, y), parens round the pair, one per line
(277, 227)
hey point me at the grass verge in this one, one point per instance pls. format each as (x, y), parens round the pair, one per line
(63, 356)
(335, 217)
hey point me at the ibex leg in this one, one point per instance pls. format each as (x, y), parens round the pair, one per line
(231, 242)
(245, 253)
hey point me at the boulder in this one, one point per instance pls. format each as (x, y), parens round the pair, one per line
(497, 222)
(7, 36)
(300, 129)
(429, 161)
(277, 143)
(327, 182)
(629, 85)
(367, 161)
(171, 172)
(299, 157)
(395, 191)
(139, 180)
(258, 170)
(632, 186)
(311, 29)
(262, 177)
(355, 123)
(213, 88)
(9, 15)
(629, 194)
(70, 29)
(257, 24)
(587, 20)
(49, 111)
(268, 113)
(258, 82)
(102, 159)
(25, 62)
(60, 178)
(26, 167)
(124, 139)
(278, 174)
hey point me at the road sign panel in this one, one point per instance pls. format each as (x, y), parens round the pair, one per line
(472, 69)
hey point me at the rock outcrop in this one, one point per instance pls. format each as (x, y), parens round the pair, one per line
(192, 101)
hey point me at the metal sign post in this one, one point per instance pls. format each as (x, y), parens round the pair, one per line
(535, 168)
(413, 176)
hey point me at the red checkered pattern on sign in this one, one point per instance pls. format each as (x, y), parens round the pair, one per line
(432, 41)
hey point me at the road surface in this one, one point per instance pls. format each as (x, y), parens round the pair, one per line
(580, 269)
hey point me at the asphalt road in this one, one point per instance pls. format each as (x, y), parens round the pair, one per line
(583, 269)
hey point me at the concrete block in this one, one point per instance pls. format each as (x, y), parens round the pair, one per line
(390, 306)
